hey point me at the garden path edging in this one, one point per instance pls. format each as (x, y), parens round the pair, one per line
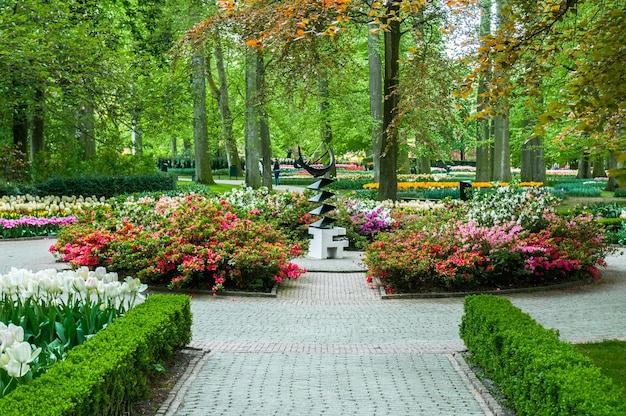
(434, 295)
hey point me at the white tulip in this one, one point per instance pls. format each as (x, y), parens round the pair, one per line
(16, 369)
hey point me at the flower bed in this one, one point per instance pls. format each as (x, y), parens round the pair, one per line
(45, 314)
(407, 186)
(110, 372)
(185, 241)
(497, 241)
(28, 226)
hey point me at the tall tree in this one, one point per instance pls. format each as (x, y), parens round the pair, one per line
(483, 137)
(253, 127)
(376, 93)
(221, 94)
(200, 130)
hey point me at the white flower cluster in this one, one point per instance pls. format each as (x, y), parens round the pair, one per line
(66, 287)
(247, 198)
(508, 204)
(15, 353)
(54, 205)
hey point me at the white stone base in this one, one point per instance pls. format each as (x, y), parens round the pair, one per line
(327, 243)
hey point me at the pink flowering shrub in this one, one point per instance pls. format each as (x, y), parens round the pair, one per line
(465, 256)
(197, 243)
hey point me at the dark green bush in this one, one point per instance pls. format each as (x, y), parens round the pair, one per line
(109, 372)
(620, 193)
(107, 186)
(540, 374)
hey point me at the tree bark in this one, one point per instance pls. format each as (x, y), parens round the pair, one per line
(232, 153)
(376, 96)
(200, 128)
(424, 165)
(502, 149)
(584, 171)
(326, 132)
(388, 183)
(598, 167)
(253, 151)
(39, 112)
(264, 128)
(86, 130)
(611, 185)
(483, 138)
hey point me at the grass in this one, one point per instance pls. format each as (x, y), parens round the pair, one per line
(610, 357)
(218, 189)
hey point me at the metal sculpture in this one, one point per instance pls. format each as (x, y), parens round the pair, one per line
(327, 240)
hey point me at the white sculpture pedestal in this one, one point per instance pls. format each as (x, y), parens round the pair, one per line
(327, 243)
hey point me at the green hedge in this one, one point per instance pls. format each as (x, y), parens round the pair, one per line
(540, 374)
(107, 186)
(108, 373)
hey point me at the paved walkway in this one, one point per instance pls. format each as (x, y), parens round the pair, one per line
(328, 345)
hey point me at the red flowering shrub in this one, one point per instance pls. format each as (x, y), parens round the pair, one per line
(195, 242)
(462, 255)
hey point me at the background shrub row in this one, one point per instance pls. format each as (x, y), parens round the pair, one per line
(101, 186)
(109, 373)
(540, 374)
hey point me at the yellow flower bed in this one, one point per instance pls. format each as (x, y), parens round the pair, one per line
(406, 186)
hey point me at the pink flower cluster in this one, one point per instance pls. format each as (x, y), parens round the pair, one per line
(37, 221)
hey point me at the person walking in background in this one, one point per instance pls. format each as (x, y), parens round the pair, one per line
(276, 169)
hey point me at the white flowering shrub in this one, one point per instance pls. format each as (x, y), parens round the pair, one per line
(524, 206)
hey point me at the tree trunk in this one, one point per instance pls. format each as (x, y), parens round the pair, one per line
(502, 149)
(136, 135)
(584, 170)
(253, 151)
(200, 128)
(424, 165)
(86, 130)
(265, 142)
(37, 138)
(501, 144)
(173, 147)
(483, 138)
(598, 167)
(611, 185)
(326, 132)
(376, 96)
(232, 153)
(388, 183)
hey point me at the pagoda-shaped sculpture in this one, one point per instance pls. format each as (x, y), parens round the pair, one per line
(328, 241)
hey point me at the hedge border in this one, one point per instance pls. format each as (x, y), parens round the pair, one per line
(540, 374)
(108, 373)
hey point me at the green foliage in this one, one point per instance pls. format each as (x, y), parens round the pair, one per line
(620, 193)
(540, 374)
(107, 186)
(581, 188)
(109, 372)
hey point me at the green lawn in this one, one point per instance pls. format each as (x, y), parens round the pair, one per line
(219, 188)
(610, 357)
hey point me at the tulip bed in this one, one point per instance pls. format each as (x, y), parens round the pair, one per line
(33, 216)
(110, 372)
(43, 315)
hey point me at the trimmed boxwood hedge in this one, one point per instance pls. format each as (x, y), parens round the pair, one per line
(108, 373)
(107, 186)
(540, 374)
